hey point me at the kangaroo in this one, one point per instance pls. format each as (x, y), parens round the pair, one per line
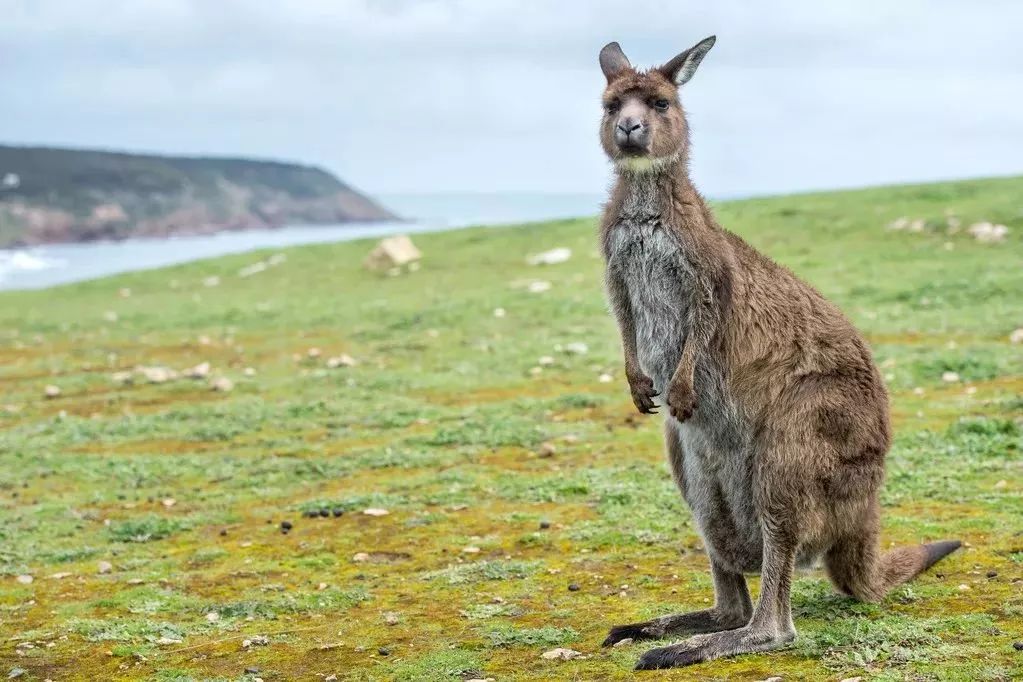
(777, 424)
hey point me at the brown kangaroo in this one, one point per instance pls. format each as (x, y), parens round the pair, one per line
(778, 423)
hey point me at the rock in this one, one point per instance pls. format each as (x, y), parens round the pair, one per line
(392, 252)
(538, 287)
(622, 642)
(544, 525)
(1016, 336)
(853, 679)
(561, 654)
(343, 360)
(552, 257)
(547, 449)
(605, 378)
(249, 372)
(122, 377)
(372, 511)
(25, 579)
(110, 316)
(772, 679)
(899, 224)
(500, 312)
(51, 391)
(360, 557)
(212, 281)
(577, 348)
(221, 385)
(104, 567)
(471, 550)
(545, 361)
(252, 670)
(988, 232)
(212, 616)
(157, 375)
(964, 588)
(1018, 646)
(1001, 483)
(164, 641)
(286, 526)
(254, 269)
(384, 651)
(200, 371)
(992, 574)
(337, 511)
(15, 673)
(391, 618)
(950, 377)
(61, 575)
(169, 502)
(574, 587)
(258, 640)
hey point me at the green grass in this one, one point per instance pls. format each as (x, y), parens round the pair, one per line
(446, 424)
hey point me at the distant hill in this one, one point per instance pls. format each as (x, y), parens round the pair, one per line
(67, 195)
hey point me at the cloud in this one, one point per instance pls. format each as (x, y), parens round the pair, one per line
(432, 95)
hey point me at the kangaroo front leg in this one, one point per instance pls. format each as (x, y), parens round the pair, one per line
(771, 626)
(732, 609)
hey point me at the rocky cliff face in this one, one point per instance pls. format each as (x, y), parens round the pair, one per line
(63, 195)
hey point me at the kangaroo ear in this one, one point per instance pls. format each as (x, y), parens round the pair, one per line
(680, 69)
(613, 61)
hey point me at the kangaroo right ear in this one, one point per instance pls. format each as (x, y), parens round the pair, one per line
(613, 61)
(680, 69)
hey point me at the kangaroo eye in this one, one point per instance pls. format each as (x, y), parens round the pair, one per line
(612, 107)
(661, 104)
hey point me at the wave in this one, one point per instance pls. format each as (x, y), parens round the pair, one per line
(13, 262)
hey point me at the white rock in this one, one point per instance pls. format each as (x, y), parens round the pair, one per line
(545, 361)
(222, 384)
(605, 378)
(622, 642)
(122, 377)
(499, 312)
(539, 286)
(392, 252)
(157, 375)
(211, 281)
(249, 372)
(950, 377)
(25, 579)
(372, 511)
(471, 550)
(110, 316)
(104, 567)
(561, 654)
(988, 232)
(213, 616)
(1016, 336)
(168, 640)
(200, 371)
(343, 360)
(277, 259)
(852, 679)
(254, 269)
(577, 348)
(169, 502)
(360, 557)
(51, 391)
(899, 224)
(61, 575)
(552, 257)
(314, 352)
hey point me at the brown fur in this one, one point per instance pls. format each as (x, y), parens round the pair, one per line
(782, 372)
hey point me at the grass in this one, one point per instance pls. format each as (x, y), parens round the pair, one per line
(503, 483)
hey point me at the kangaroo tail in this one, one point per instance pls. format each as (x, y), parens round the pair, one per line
(857, 568)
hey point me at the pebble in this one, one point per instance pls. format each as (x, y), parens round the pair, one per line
(310, 513)
(164, 641)
(251, 670)
(964, 588)
(622, 642)
(547, 449)
(51, 391)
(992, 574)
(573, 587)
(1016, 336)
(360, 556)
(852, 679)
(61, 575)
(1018, 646)
(324, 512)
(25, 579)
(213, 616)
(343, 360)
(338, 511)
(499, 312)
(104, 567)
(577, 348)
(471, 550)
(539, 286)
(544, 525)
(605, 378)
(375, 512)
(286, 526)
(950, 377)
(545, 361)
(222, 384)
(390, 618)
(384, 651)
(560, 654)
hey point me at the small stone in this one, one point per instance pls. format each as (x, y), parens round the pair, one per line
(213, 616)
(561, 654)
(622, 642)
(552, 257)
(164, 641)
(61, 575)
(1016, 336)
(200, 371)
(547, 449)
(169, 502)
(51, 391)
(15, 673)
(123, 377)
(964, 588)
(251, 670)
(314, 352)
(286, 525)
(539, 286)
(360, 557)
(324, 512)
(1001, 483)
(372, 511)
(471, 550)
(104, 567)
(1018, 646)
(384, 651)
(499, 312)
(773, 679)
(577, 348)
(391, 618)
(545, 361)
(950, 377)
(342, 360)
(853, 679)
(337, 511)
(605, 378)
(249, 372)
(25, 579)
(223, 532)
(321, 586)
(544, 525)
(310, 513)
(222, 384)
(574, 587)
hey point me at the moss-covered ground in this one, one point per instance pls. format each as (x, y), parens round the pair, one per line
(148, 514)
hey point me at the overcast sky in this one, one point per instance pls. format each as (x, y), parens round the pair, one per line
(503, 95)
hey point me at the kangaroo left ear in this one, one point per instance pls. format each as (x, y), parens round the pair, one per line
(680, 69)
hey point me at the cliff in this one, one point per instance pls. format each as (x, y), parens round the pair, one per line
(65, 195)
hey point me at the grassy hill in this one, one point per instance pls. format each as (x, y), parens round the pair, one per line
(149, 514)
(62, 195)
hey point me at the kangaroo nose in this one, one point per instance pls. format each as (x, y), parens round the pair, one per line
(629, 125)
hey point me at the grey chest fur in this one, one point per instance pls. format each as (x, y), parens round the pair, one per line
(659, 281)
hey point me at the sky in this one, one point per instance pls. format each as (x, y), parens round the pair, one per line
(429, 96)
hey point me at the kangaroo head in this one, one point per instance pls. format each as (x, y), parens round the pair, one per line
(644, 126)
